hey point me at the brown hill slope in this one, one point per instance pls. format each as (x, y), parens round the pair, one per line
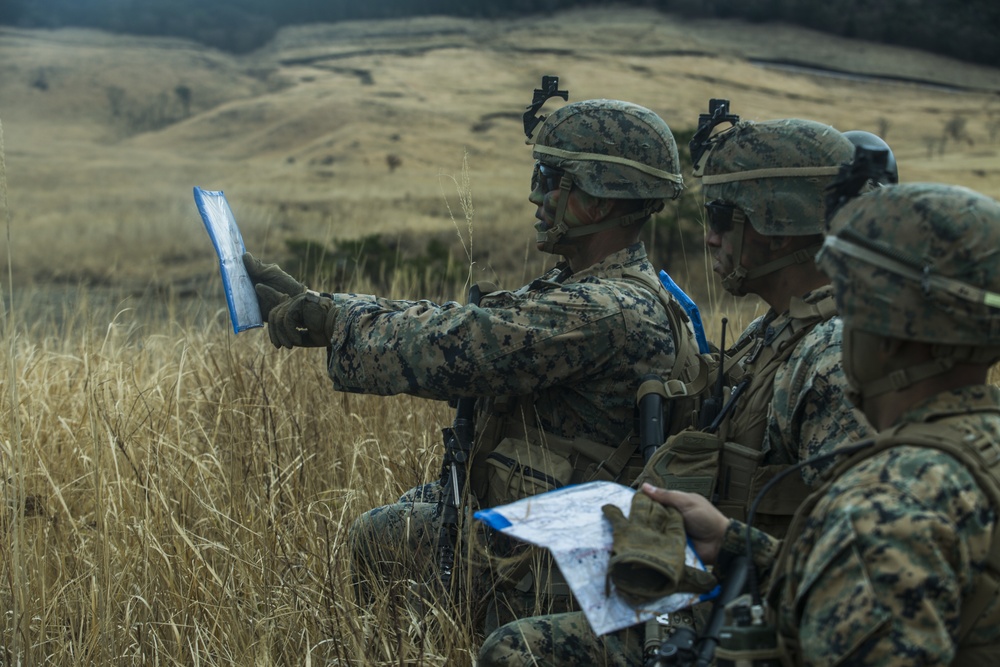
(105, 135)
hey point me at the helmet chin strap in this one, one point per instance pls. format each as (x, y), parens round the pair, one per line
(549, 237)
(902, 378)
(859, 352)
(733, 283)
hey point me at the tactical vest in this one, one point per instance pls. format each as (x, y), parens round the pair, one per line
(981, 457)
(725, 466)
(515, 459)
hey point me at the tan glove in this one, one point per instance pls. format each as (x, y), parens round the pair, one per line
(272, 276)
(304, 320)
(647, 555)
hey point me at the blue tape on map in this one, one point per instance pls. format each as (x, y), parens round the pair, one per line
(493, 519)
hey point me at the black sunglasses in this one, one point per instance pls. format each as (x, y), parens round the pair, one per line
(722, 216)
(545, 177)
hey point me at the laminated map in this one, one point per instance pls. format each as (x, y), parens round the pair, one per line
(241, 299)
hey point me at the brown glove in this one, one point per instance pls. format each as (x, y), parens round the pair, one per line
(304, 320)
(272, 276)
(647, 555)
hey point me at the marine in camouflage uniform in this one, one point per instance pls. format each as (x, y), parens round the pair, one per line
(895, 560)
(772, 175)
(553, 365)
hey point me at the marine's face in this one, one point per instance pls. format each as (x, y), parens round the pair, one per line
(546, 195)
(733, 243)
(723, 236)
(720, 246)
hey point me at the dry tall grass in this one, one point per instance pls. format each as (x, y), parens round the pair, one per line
(182, 498)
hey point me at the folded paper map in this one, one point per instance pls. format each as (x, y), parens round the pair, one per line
(570, 524)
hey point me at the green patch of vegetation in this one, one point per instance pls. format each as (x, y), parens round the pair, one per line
(378, 262)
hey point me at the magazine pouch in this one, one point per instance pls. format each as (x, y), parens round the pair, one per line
(517, 469)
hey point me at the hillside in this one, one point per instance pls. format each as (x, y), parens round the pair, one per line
(105, 135)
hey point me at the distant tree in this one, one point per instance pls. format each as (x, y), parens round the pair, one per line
(183, 94)
(964, 29)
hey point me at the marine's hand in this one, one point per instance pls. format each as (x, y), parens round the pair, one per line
(647, 554)
(303, 320)
(272, 276)
(704, 524)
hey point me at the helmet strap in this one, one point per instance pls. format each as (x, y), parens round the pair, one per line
(906, 377)
(800, 256)
(733, 283)
(549, 238)
(944, 358)
(651, 207)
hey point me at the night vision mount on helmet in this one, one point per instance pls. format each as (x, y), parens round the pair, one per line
(772, 175)
(608, 149)
(873, 142)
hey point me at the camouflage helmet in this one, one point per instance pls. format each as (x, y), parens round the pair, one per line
(612, 149)
(918, 261)
(776, 172)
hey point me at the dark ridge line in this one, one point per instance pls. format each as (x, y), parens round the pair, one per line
(805, 68)
(403, 51)
(735, 85)
(832, 71)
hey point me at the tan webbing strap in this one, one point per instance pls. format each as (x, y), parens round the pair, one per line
(684, 348)
(775, 172)
(810, 313)
(592, 460)
(614, 159)
(613, 465)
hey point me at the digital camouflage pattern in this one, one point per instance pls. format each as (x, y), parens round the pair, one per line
(796, 405)
(574, 344)
(776, 172)
(893, 253)
(883, 557)
(807, 414)
(892, 549)
(612, 149)
(560, 640)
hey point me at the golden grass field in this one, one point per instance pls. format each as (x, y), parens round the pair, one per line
(175, 494)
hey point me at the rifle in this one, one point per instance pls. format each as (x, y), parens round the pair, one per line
(457, 450)
(713, 404)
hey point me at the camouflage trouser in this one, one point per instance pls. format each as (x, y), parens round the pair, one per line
(399, 543)
(561, 639)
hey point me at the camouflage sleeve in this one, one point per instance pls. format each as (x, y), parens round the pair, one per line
(765, 547)
(542, 339)
(886, 559)
(810, 413)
